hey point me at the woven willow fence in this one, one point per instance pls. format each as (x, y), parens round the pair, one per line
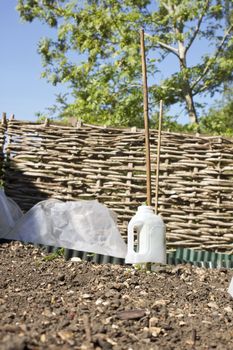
(108, 164)
(2, 141)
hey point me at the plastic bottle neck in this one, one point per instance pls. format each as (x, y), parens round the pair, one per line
(145, 209)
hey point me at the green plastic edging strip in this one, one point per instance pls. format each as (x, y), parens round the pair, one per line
(200, 258)
(203, 258)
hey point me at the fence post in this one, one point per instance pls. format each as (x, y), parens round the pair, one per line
(46, 122)
(4, 121)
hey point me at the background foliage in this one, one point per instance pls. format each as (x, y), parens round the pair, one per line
(95, 51)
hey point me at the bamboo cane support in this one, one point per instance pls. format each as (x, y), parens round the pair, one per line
(158, 157)
(146, 119)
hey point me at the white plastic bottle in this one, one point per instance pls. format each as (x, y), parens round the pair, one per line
(151, 237)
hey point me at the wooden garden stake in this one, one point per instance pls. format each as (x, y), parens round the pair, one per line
(146, 119)
(158, 156)
(4, 121)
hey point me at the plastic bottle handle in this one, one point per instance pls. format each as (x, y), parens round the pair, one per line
(138, 225)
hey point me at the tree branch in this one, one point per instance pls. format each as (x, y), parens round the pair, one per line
(169, 7)
(199, 22)
(205, 88)
(165, 46)
(217, 52)
(168, 47)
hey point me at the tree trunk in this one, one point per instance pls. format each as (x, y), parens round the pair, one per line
(187, 91)
(191, 108)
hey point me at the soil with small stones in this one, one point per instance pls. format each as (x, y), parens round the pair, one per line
(58, 304)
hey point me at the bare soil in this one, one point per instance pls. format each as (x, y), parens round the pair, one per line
(57, 304)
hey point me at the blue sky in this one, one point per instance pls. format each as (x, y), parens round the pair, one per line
(22, 91)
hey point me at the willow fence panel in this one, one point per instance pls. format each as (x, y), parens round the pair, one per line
(108, 164)
(2, 142)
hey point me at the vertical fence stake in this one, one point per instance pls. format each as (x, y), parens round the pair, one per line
(146, 119)
(46, 122)
(158, 156)
(4, 121)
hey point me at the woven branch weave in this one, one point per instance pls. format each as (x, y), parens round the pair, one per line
(108, 164)
(2, 140)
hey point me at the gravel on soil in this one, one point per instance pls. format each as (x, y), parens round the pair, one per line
(49, 303)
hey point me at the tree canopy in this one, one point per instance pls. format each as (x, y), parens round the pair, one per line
(95, 49)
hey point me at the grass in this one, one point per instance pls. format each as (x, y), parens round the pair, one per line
(55, 255)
